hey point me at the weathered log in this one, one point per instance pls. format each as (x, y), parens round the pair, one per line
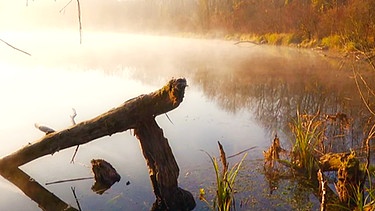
(138, 114)
(116, 120)
(163, 168)
(334, 161)
(348, 174)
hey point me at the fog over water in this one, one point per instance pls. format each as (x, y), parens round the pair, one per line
(240, 95)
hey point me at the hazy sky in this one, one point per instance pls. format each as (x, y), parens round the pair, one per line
(16, 15)
(32, 15)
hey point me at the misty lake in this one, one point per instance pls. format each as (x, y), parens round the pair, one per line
(240, 95)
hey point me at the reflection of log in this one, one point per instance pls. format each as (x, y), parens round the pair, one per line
(136, 112)
(45, 199)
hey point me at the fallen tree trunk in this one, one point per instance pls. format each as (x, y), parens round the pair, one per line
(116, 120)
(138, 114)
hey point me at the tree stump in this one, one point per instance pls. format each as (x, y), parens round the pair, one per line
(348, 173)
(163, 168)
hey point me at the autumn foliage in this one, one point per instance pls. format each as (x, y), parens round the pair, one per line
(352, 21)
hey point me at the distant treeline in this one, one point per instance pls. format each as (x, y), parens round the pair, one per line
(335, 22)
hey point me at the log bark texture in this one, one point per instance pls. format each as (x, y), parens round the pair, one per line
(163, 168)
(138, 114)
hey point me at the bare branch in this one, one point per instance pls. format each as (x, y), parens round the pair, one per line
(63, 9)
(15, 47)
(79, 21)
(68, 180)
(361, 94)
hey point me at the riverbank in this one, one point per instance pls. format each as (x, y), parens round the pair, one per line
(334, 46)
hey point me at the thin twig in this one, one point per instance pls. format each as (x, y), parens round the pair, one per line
(168, 118)
(15, 47)
(79, 18)
(80, 22)
(74, 123)
(361, 94)
(243, 151)
(73, 116)
(367, 86)
(65, 6)
(68, 180)
(75, 196)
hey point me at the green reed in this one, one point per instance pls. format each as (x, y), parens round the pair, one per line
(308, 132)
(225, 179)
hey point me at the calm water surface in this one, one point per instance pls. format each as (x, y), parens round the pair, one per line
(240, 95)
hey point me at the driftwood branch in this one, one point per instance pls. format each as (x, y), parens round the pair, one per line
(114, 121)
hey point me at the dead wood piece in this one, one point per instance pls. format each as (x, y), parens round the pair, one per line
(163, 168)
(334, 161)
(247, 41)
(348, 173)
(272, 155)
(105, 175)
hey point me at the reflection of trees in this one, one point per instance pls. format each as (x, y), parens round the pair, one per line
(275, 88)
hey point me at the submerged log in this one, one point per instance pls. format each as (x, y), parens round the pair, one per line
(138, 114)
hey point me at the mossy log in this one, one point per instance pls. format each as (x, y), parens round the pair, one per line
(348, 173)
(334, 161)
(138, 114)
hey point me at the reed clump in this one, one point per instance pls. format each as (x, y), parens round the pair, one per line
(308, 132)
(225, 179)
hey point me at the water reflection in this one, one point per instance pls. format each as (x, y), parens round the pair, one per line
(274, 88)
(239, 96)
